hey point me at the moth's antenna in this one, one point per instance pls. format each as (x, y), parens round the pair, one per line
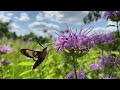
(39, 43)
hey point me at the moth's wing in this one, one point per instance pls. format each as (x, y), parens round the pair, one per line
(36, 53)
(25, 52)
(39, 61)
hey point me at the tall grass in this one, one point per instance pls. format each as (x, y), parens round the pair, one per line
(53, 67)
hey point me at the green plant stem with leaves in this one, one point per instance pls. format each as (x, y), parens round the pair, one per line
(1, 68)
(102, 51)
(117, 22)
(1, 72)
(74, 65)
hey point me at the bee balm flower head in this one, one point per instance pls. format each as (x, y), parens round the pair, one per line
(4, 49)
(74, 42)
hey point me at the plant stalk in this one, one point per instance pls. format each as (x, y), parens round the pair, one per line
(75, 67)
(118, 28)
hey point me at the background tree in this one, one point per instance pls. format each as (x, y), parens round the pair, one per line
(4, 28)
(92, 16)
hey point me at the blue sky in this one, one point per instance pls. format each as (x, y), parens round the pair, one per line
(24, 22)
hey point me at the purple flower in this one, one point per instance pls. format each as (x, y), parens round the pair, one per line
(94, 67)
(108, 77)
(4, 49)
(80, 75)
(73, 41)
(112, 15)
(108, 61)
(70, 75)
(104, 39)
(5, 62)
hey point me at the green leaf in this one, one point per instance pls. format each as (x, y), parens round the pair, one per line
(111, 25)
(26, 77)
(50, 76)
(60, 66)
(44, 67)
(25, 72)
(47, 62)
(61, 77)
(26, 63)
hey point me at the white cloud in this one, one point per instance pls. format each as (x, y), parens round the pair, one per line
(102, 14)
(40, 16)
(14, 25)
(38, 27)
(38, 33)
(18, 30)
(21, 32)
(9, 14)
(112, 23)
(50, 15)
(72, 17)
(4, 17)
(67, 16)
(53, 15)
(103, 30)
(43, 25)
(75, 17)
(23, 17)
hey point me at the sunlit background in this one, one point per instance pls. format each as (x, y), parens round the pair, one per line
(68, 55)
(24, 22)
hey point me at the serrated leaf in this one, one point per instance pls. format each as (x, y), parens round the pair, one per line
(26, 63)
(25, 72)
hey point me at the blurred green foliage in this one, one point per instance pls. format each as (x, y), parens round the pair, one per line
(92, 16)
(55, 66)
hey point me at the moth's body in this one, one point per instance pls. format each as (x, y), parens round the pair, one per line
(40, 55)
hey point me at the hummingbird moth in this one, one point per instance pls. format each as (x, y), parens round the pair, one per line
(39, 55)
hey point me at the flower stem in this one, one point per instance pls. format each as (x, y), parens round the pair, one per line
(118, 28)
(102, 51)
(119, 53)
(75, 67)
(40, 77)
(75, 72)
(1, 71)
(97, 74)
(1, 67)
